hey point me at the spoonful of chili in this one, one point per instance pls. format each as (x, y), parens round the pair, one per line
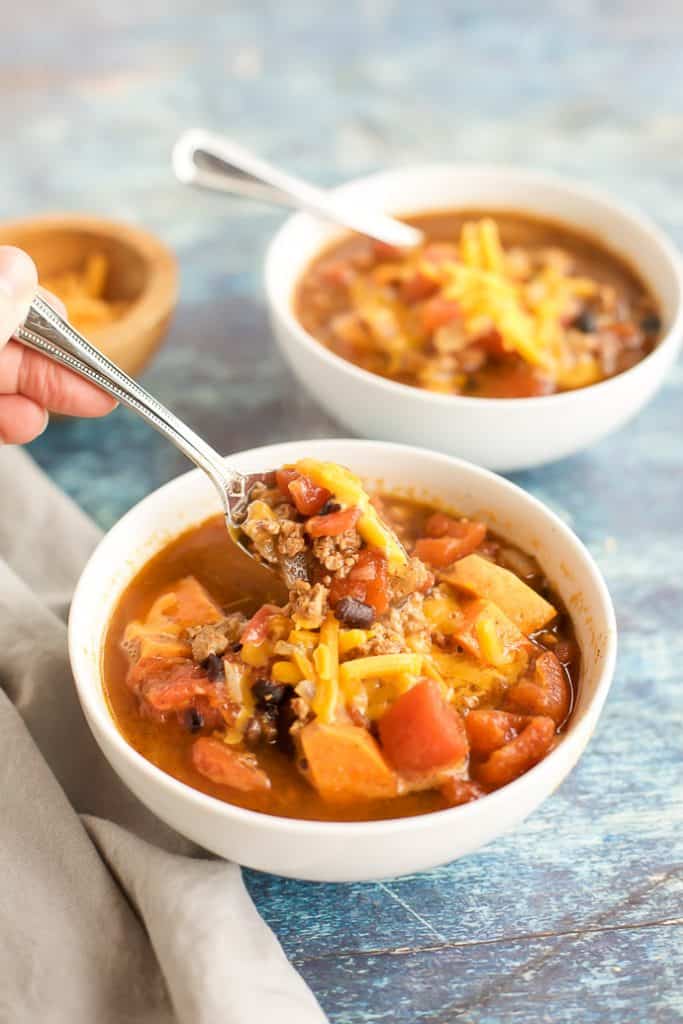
(48, 332)
(214, 162)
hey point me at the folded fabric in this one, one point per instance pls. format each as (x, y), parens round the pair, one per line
(106, 915)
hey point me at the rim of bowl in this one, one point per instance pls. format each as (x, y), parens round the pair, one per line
(89, 683)
(626, 211)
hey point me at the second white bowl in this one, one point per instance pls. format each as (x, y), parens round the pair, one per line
(503, 434)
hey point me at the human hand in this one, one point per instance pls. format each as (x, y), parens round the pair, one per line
(31, 385)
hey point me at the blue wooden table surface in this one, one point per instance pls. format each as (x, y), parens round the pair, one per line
(577, 916)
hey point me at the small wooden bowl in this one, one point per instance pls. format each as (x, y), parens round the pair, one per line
(142, 271)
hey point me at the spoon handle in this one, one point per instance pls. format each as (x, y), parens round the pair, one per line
(47, 332)
(215, 162)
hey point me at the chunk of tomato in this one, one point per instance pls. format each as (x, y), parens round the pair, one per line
(368, 581)
(418, 286)
(161, 672)
(442, 551)
(307, 496)
(228, 767)
(492, 343)
(438, 312)
(519, 754)
(202, 714)
(461, 791)
(441, 525)
(256, 629)
(438, 551)
(546, 693)
(488, 730)
(422, 731)
(374, 566)
(333, 524)
(449, 539)
(438, 524)
(284, 478)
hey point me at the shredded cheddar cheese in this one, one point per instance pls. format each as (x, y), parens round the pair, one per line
(256, 655)
(528, 316)
(492, 650)
(380, 665)
(349, 639)
(83, 293)
(286, 672)
(348, 490)
(326, 662)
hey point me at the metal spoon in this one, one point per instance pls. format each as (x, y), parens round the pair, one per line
(47, 332)
(215, 162)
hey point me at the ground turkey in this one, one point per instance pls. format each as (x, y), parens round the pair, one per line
(216, 637)
(310, 603)
(338, 554)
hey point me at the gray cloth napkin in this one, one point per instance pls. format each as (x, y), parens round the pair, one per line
(106, 915)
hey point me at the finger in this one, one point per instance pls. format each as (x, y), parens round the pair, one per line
(21, 419)
(18, 283)
(29, 373)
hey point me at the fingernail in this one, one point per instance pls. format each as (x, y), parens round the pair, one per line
(45, 424)
(18, 283)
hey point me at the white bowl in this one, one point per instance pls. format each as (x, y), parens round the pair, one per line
(338, 852)
(503, 434)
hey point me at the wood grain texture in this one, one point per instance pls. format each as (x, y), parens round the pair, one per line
(577, 916)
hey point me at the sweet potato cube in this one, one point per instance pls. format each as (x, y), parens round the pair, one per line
(142, 641)
(155, 646)
(344, 762)
(228, 767)
(488, 634)
(477, 576)
(185, 603)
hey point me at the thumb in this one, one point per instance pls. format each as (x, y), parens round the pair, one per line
(18, 283)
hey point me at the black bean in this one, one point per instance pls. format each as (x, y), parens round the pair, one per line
(651, 323)
(354, 613)
(329, 507)
(236, 648)
(193, 720)
(214, 668)
(268, 694)
(586, 322)
(284, 722)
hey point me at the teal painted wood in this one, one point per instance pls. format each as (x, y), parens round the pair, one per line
(577, 916)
